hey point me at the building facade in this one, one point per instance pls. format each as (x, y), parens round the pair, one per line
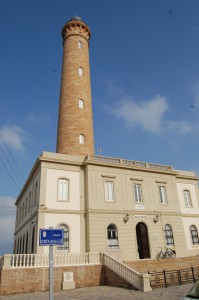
(126, 208)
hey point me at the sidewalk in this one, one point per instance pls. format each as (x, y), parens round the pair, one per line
(108, 293)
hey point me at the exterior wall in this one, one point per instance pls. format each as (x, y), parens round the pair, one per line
(123, 189)
(87, 213)
(52, 189)
(193, 192)
(190, 214)
(37, 279)
(26, 215)
(74, 223)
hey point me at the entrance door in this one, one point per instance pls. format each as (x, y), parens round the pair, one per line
(142, 240)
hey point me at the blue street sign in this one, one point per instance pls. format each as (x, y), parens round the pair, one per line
(50, 237)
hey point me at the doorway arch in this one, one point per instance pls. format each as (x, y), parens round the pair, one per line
(142, 241)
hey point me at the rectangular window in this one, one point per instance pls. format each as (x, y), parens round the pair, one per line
(187, 198)
(109, 191)
(63, 190)
(138, 193)
(163, 195)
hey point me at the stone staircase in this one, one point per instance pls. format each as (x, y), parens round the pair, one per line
(156, 265)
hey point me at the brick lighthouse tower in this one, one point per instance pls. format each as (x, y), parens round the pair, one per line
(75, 122)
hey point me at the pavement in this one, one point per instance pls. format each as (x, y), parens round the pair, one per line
(108, 293)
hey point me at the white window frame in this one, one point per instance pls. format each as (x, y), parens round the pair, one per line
(163, 195)
(187, 198)
(109, 190)
(66, 246)
(63, 189)
(112, 237)
(137, 187)
(194, 235)
(81, 139)
(80, 45)
(168, 234)
(80, 71)
(81, 103)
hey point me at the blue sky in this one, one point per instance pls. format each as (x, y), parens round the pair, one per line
(144, 58)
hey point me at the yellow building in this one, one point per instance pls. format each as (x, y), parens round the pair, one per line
(123, 207)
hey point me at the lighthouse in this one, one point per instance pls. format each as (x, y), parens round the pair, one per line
(75, 121)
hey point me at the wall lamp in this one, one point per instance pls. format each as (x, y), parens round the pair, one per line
(126, 218)
(156, 219)
(42, 206)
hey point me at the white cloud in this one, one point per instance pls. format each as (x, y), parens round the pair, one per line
(113, 87)
(14, 136)
(179, 127)
(148, 115)
(38, 119)
(7, 223)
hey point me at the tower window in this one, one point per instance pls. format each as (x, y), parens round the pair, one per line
(80, 71)
(80, 45)
(81, 103)
(81, 139)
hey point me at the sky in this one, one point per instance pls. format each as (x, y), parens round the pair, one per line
(144, 59)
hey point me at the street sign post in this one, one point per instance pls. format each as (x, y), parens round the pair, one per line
(50, 237)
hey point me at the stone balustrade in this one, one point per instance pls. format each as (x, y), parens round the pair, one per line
(130, 163)
(28, 261)
(42, 260)
(140, 281)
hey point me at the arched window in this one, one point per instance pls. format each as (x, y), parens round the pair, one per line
(35, 194)
(15, 247)
(81, 139)
(33, 240)
(26, 243)
(112, 236)
(194, 235)
(168, 233)
(81, 103)
(20, 249)
(30, 202)
(80, 71)
(63, 189)
(23, 246)
(65, 246)
(18, 246)
(26, 205)
(80, 45)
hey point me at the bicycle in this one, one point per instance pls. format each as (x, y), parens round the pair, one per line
(168, 253)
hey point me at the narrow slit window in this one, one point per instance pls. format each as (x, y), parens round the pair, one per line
(80, 71)
(80, 46)
(81, 103)
(81, 139)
